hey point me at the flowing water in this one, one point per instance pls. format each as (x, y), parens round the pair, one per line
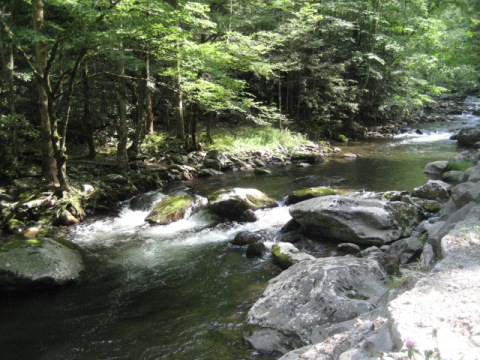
(181, 291)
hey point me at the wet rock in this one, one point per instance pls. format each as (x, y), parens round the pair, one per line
(309, 193)
(349, 248)
(255, 250)
(233, 203)
(38, 264)
(259, 171)
(467, 137)
(246, 238)
(307, 157)
(172, 208)
(312, 300)
(290, 226)
(291, 238)
(360, 221)
(432, 190)
(349, 156)
(209, 172)
(286, 254)
(144, 201)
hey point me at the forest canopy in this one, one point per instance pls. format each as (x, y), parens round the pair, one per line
(83, 73)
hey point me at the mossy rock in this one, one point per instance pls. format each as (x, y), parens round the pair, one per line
(15, 226)
(342, 138)
(286, 255)
(233, 203)
(310, 193)
(452, 176)
(310, 158)
(171, 208)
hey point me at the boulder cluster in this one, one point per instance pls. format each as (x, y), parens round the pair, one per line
(406, 285)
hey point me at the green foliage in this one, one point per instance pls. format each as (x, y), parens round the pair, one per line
(458, 165)
(317, 67)
(259, 137)
(16, 135)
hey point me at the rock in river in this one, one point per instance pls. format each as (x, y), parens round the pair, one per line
(172, 208)
(360, 221)
(233, 203)
(38, 263)
(312, 300)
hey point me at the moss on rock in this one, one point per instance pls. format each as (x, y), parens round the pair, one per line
(171, 208)
(309, 193)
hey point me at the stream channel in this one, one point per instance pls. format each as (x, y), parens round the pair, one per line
(182, 291)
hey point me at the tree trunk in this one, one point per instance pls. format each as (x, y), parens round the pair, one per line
(148, 96)
(140, 126)
(49, 164)
(180, 117)
(209, 127)
(87, 115)
(122, 157)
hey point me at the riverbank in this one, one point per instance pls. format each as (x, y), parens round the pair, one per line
(430, 310)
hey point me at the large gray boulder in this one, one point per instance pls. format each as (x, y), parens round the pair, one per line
(313, 300)
(436, 168)
(236, 204)
(39, 263)
(468, 137)
(360, 221)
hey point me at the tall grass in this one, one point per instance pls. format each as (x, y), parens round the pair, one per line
(256, 138)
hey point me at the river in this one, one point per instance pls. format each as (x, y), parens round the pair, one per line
(182, 291)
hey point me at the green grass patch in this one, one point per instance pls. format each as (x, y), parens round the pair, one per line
(458, 165)
(256, 138)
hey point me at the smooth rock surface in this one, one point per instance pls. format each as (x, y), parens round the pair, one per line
(312, 300)
(360, 221)
(233, 203)
(38, 263)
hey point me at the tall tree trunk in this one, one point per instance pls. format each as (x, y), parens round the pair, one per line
(140, 125)
(180, 116)
(209, 127)
(148, 95)
(194, 127)
(49, 164)
(122, 157)
(87, 115)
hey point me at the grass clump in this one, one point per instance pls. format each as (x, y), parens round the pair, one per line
(458, 165)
